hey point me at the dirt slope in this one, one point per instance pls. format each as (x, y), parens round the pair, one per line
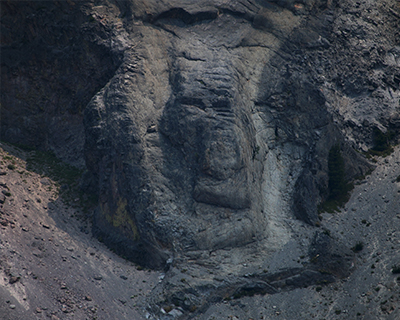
(50, 265)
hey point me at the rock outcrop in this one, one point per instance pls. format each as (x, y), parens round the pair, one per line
(209, 125)
(54, 58)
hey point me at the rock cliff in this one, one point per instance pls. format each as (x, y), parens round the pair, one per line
(205, 127)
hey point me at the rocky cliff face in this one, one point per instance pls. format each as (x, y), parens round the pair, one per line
(54, 58)
(214, 124)
(209, 125)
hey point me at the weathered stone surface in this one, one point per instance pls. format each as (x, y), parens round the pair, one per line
(53, 61)
(209, 126)
(186, 131)
(305, 198)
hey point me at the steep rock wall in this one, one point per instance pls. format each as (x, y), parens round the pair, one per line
(211, 132)
(206, 127)
(54, 58)
(209, 123)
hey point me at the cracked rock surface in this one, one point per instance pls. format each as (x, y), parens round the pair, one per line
(205, 128)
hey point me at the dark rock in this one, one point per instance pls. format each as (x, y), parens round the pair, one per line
(253, 288)
(185, 300)
(310, 277)
(52, 125)
(6, 193)
(38, 253)
(305, 198)
(14, 279)
(327, 256)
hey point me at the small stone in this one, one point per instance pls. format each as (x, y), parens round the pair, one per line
(14, 279)
(12, 306)
(54, 317)
(37, 253)
(63, 286)
(25, 229)
(70, 249)
(97, 277)
(175, 313)
(124, 277)
(6, 193)
(45, 226)
(38, 310)
(88, 298)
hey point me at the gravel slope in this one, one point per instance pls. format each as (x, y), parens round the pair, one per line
(50, 265)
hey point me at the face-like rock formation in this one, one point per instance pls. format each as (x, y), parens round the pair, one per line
(198, 140)
(211, 130)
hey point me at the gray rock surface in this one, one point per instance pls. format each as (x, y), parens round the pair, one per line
(208, 131)
(192, 127)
